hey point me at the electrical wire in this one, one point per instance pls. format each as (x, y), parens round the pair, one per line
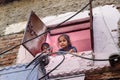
(72, 15)
(54, 28)
(63, 55)
(90, 58)
(53, 68)
(47, 30)
(34, 60)
(80, 75)
(66, 52)
(31, 71)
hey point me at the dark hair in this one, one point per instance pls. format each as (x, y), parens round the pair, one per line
(45, 44)
(67, 38)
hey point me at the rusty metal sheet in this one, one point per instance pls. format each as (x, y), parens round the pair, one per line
(33, 29)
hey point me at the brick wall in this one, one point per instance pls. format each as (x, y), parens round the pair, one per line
(9, 58)
(18, 11)
(7, 42)
(105, 73)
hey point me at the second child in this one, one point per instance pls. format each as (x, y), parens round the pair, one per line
(65, 44)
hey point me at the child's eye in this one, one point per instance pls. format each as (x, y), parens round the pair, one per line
(59, 41)
(64, 40)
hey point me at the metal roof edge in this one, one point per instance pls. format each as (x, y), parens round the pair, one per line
(14, 68)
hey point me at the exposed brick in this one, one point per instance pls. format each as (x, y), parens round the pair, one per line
(104, 73)
(6, 43)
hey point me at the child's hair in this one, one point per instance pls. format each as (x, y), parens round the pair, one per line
(66, 37)
(44, 44)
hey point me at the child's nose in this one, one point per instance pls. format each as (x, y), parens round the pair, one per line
(62, 42)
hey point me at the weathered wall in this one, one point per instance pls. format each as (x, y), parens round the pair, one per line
(105, 73)
(7, 42)
(18, 11)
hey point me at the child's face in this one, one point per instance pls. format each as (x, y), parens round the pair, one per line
(45, 48)
(62, 42)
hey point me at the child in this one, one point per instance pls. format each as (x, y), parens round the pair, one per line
(65, 44)
(45, 48)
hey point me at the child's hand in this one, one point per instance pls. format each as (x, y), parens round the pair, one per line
(71, 51)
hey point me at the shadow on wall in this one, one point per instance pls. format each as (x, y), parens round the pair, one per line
(7, 1)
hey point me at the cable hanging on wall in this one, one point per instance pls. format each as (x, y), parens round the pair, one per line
(47, 30)
(54, 28)
(65, 52)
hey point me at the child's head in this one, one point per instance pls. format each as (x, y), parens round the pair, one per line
(45, 46)
(64, 41)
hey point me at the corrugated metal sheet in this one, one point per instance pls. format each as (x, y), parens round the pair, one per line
(16, 72)
(34, 28)
(19, 72)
